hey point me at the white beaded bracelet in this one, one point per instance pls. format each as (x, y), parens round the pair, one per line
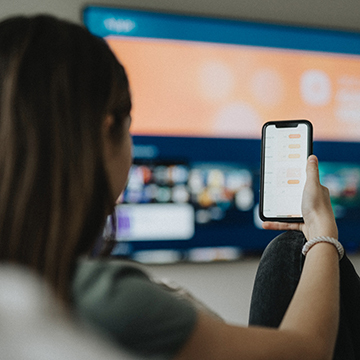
(309, 244)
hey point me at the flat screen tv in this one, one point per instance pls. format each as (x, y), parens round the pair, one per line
(201, 89)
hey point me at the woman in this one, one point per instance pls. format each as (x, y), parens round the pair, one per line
(65, 153)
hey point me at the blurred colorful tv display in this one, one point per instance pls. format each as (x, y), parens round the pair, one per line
(202, 88)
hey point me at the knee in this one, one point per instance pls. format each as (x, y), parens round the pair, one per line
(289, 242)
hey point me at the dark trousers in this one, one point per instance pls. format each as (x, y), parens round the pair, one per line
(276, 281)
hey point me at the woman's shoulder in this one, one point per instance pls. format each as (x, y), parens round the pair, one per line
(121, 298)
(89, 272)
(101, 281)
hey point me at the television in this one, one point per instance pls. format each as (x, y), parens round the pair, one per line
(201, 89)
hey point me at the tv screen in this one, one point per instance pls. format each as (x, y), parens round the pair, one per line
(202, 89)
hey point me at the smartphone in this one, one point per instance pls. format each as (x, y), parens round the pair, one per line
(285, 147)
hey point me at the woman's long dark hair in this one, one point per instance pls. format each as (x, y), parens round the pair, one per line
(57, 84)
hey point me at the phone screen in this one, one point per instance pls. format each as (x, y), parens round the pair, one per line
(286, 146)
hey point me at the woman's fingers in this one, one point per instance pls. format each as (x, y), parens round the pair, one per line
(281, 226)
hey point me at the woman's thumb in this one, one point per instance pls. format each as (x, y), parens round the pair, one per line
(312, 168)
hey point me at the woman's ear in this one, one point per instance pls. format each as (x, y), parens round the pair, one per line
(107, 125)
(116, 153)
(108, 143)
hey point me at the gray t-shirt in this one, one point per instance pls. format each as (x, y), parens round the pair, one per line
(142, 316)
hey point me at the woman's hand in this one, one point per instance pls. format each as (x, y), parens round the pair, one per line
(317, 212)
